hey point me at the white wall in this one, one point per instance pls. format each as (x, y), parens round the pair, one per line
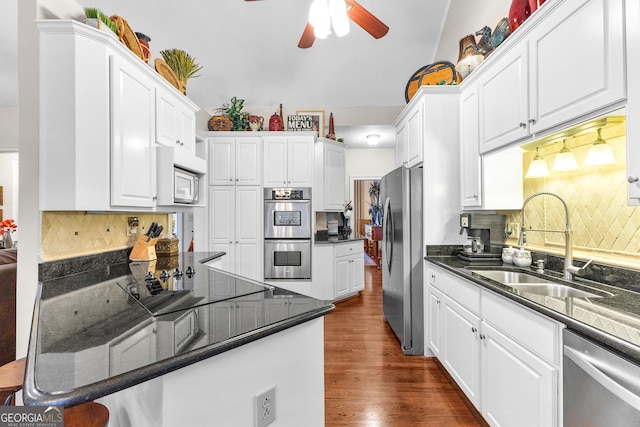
(8, 129)
(9, 183)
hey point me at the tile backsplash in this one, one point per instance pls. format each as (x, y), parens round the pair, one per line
(70, 234)
(604, 227)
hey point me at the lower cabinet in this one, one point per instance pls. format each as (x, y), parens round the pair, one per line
(342, 270)
(505, 357)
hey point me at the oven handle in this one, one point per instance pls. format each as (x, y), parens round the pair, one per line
(598, 374)
(387, 230)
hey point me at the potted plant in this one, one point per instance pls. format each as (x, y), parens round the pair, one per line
(183, 64)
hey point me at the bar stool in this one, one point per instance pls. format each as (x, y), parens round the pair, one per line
(90, 414)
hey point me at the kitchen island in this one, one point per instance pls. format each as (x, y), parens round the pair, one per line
(176, 346)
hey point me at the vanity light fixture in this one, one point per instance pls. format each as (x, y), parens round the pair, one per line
(565, 160)
(373, 139)
(538, 167)
(324, 14)
(600, 153)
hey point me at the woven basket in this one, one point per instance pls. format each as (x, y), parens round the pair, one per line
(127, 36)
(220, 123)
(431, 74)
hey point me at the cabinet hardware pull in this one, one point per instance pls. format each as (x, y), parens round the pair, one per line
(473, 329)
(523, 125)
(633, 179)
(437, 302)
(482, 336)
(475, 196)
(532, 121)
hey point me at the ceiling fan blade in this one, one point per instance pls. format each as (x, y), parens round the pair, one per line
(366, 20)
(308, 37)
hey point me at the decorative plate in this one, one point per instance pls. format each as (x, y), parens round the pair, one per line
(165, 71)
(127, 36)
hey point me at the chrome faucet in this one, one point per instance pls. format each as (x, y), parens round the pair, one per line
(569, 268)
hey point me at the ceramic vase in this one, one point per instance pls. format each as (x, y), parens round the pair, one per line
(520, 10)
(469, 57)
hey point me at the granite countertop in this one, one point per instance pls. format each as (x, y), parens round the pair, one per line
(325, 239)
(85, 324)
(613, 320)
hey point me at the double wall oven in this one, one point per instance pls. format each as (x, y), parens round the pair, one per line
(287, 233)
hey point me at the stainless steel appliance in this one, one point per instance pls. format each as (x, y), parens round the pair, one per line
(600, 388)
(482, 229)
(185, 186)
(287, 233)
(402, 256)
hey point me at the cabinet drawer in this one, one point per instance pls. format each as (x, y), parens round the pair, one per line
(533, 331)
(343, 249)
(461, 291)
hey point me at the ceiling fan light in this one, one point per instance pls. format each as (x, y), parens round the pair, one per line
(320, 19)
(339, 17)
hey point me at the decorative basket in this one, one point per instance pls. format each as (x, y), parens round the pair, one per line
(220, 123)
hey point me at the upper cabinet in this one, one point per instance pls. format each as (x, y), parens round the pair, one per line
(329, 189)
(288, 159)
(564, 67)
(633, 104)
(410, 133)
(235, 159)
(470, 159)
(103, 113)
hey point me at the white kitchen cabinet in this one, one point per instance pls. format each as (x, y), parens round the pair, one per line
(410, 136)
(505, 357)
(235, 227)
(135, 349)
(488, 181)
(175, 120)
(348, 269)
(329, 189)
(633, 104)
(288, 159)
(234, 317)
(235, 160)
(133, 161)
(540, 81)
(470, 159)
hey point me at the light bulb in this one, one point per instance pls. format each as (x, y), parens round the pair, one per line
(319, 18)
(339, 18)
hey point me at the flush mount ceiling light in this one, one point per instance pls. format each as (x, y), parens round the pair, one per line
(325, 14)
(373, 139)
(565, 160)
(600, 153)
(538, 167)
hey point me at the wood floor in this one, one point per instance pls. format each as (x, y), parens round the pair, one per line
(370, 382)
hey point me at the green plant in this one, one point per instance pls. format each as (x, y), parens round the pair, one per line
(95, 13)
(234, 111)
(183, 64)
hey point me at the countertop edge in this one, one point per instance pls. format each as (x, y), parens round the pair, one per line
(35, 397)
(338, 242)
(617, 345)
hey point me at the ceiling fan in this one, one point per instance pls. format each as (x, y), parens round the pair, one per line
(358, 14)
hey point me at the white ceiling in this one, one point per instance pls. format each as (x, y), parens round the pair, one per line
(249, 50)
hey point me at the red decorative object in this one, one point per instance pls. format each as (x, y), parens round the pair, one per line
(332, 130)
(276, 123)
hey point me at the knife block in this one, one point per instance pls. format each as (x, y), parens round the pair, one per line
(144, 250)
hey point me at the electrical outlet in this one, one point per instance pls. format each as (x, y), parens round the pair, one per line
(265, 407)
(513, 228)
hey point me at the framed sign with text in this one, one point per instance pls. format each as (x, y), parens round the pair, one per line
(307, 120)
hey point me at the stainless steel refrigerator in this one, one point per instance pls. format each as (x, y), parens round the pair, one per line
(402, 256)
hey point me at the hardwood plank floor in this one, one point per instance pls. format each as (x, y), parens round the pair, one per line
(370, 382)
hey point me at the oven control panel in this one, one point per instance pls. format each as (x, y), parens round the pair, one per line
(288, 194)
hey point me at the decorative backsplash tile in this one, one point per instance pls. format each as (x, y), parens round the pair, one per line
(71, 234)
(596, 197)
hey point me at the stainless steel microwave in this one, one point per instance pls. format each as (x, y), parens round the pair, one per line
(185, 186)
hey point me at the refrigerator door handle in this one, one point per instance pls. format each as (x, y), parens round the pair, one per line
(387, 231)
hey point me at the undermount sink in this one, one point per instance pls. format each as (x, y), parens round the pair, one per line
(529, 283)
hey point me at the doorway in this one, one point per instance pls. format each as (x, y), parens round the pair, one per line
(361, 201)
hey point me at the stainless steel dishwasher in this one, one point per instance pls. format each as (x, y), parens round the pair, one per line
(600, 388)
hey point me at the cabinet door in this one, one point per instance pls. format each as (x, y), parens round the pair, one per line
(222, 214)
(300, 162)
(133, 351)
(357, 273)
(518, 388)
(187, 130)
(470, 161)
(402, 135)
(248, 232)
(343, 277)
(461, 348)
(167, 132)
(133, 163)
(589, 32)
(435, 307)
(248, 160)
(275, 162)
(334, 178)
(415, 137)
(222, 164)
(504, 100)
